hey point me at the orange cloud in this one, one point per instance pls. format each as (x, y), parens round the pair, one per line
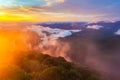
(52, 2)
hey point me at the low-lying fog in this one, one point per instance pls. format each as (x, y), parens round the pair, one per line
(101, 55)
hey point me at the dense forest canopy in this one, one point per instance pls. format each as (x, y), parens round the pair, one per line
(37, 66)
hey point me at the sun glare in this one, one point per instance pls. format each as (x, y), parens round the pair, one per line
(11, 43)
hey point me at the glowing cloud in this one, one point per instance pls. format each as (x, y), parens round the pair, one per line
(78, 10)
(52, 2)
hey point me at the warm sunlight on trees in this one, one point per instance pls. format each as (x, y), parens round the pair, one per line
(37, 66)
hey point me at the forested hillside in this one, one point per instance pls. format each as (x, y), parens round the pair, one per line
(37, 66)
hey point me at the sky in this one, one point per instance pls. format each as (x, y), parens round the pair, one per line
(59, 10)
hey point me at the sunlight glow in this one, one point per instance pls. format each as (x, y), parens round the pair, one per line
(11, 43)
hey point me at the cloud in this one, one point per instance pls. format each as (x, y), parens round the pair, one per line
(52, 2)
(97, 27)
(117, 32)
(53, 33)
(105, 10)
(89, 10)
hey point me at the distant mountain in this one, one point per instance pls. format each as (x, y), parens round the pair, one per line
(64, 25)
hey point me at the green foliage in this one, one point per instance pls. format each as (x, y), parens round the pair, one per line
(34, 66)
(14, 73)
